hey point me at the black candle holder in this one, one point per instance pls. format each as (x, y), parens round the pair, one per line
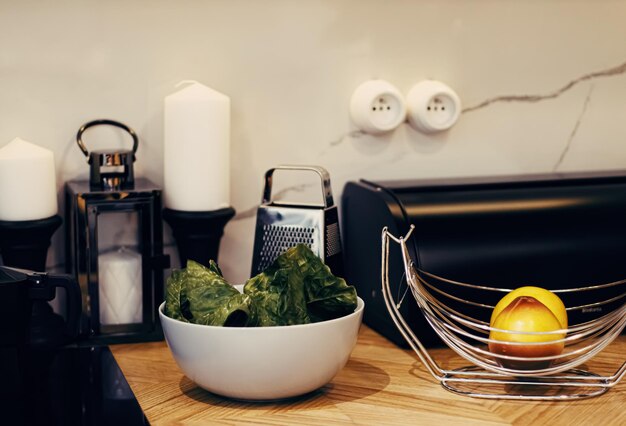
(25, 244)
(198, 234)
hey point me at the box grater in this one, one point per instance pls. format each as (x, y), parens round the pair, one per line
(282, 225)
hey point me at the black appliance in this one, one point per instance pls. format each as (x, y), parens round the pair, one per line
(553, 231)
(71, 385)
(46, 377)
(20, 332)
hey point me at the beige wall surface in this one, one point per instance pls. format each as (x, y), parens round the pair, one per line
(542, 83)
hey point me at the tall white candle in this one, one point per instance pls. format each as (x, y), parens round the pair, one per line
(28, 189)
(119, 287)
(196, 149)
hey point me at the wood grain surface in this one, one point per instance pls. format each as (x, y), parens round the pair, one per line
(381, 385)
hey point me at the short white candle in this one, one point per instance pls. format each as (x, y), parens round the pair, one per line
(120, 287)
(28, 189)
(196, 149)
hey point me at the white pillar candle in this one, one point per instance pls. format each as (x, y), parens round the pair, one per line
(28, 188)
(196, 149)
(120, 287)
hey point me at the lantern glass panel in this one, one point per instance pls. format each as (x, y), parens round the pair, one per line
(120, 275)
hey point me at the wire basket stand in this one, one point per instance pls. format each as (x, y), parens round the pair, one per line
(552, 377)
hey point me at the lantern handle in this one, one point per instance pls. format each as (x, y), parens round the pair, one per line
(79, 135)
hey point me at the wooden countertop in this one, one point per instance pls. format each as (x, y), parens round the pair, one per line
(381, 384)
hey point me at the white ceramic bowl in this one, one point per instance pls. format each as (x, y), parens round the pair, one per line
(262, 363)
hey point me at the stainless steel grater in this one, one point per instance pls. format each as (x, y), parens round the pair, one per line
(282, 225)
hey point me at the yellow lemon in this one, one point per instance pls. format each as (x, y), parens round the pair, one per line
(546, 297)
(526, 314)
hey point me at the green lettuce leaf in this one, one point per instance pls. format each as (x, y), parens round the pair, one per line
(205, 297)
(327, 296)
(172, 295)
(278, 297)
(299, 288)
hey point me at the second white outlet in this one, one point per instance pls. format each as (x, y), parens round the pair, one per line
(432, 106)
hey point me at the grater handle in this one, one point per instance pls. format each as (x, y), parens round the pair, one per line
(322, 172)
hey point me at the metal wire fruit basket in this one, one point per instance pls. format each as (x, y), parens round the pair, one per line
(562, 376)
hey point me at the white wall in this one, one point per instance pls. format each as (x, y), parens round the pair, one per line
(290, 68)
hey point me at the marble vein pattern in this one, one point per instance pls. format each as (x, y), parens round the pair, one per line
(572, 135)
(524, 98)
(609, 72)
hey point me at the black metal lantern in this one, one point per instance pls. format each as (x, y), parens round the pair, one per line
(114, 246)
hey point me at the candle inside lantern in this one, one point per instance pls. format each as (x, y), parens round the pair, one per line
(196, 149)
(120, 287)
(27, 182)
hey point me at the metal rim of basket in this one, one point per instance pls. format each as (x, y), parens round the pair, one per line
(562, 379)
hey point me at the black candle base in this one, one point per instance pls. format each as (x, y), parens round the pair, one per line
(198, 234)
(24, 244)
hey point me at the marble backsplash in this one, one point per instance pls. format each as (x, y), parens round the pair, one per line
(543, 87)
(569, 154)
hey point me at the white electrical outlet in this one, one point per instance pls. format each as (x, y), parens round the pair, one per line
(377, 107)
(432, 106)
